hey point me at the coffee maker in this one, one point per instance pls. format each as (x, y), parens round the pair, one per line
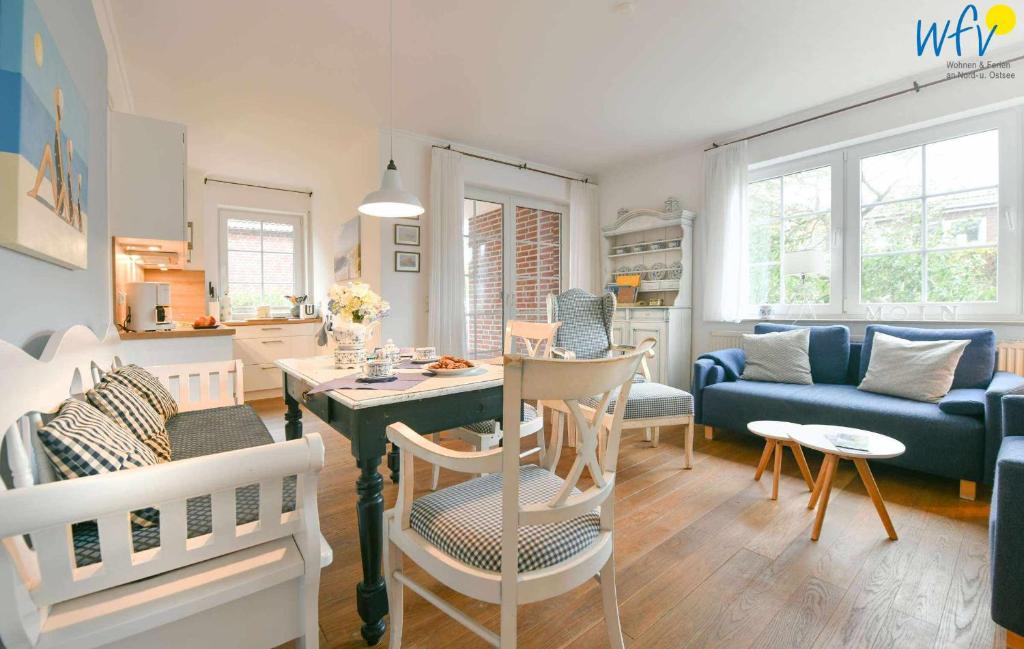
(149, 306)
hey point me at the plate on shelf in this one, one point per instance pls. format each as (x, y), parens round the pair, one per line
(639, 268)
(658, 271)
(675, 270)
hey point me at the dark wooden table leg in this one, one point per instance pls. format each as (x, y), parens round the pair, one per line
(394, 462)
(292, 417)
(371, 596)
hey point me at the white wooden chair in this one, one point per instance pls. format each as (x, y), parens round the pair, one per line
(239, 585)
(536, 340)
(521, 534)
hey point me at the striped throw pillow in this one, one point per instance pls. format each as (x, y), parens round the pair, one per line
(81, 441)
(129, 410)
(148, 386)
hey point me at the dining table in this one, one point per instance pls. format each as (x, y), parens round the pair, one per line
(433, 404)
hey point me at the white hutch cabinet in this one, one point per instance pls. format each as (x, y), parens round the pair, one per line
(657, 245)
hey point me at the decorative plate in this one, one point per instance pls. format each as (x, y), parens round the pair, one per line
(658, 271)
(675, 270)
(639, 268)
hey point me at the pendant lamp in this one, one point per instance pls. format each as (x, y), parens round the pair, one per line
(391, 200)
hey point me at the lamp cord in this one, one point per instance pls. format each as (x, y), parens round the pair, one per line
(391, 79)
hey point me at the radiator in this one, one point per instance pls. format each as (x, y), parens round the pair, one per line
(1011, 357)
(1010, 353)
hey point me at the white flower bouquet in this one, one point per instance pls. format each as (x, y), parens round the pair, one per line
(356, 302)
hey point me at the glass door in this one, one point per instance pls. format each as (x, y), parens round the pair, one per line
(513, 261)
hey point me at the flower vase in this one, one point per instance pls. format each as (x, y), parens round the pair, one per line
(350, 352)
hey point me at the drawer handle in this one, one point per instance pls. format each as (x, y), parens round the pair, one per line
(305, 396)
(271, 342)
(268, 367)
(270, 328)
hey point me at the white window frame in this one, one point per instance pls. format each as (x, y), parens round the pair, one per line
(834, 160)
(845, 243)
(509, 203)
(297, 219)
(1008, 247)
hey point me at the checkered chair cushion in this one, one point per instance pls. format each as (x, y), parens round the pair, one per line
(487, 427)
(586, 323)
(648, 400)
(148, 386)
(193, 434)
(132, 413)
(464, 521)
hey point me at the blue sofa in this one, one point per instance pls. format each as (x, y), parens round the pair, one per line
(1006, 521)
(957, 438)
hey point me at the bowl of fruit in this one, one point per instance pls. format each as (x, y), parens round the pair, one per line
(205, 322)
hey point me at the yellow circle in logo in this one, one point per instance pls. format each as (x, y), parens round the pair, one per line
(37, 47)
(1001, 18)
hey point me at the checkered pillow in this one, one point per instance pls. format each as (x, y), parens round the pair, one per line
(129, 410)
(146, 385)
(81, 441)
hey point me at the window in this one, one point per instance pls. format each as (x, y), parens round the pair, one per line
(929, 222)
(514, 242)
(789, 221)
(261, 259)
(914, 226)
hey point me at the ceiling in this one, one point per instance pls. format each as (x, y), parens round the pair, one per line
(569, 83)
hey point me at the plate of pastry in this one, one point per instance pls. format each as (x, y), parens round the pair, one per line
(451, 366)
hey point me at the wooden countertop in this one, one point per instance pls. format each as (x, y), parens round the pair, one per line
(269, 321)
(179, 332)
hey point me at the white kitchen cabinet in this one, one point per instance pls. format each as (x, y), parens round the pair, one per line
(148, 164)
(258, 346)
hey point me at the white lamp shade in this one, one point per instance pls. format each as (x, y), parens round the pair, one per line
(391, 200)
(805, 262)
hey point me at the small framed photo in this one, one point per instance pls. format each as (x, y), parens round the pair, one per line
(407, 235)
(407, 262)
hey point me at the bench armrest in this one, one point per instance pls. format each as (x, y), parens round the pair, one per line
(1002, 384)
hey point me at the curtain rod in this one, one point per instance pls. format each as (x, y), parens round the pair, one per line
(523, 166)
(276, 189)
(915, 88)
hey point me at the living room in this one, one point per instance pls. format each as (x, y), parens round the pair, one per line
(639, 323)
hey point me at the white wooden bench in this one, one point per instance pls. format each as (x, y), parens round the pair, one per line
(239, 585)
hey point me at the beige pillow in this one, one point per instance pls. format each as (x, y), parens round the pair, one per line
(920, 370)
(779, 357)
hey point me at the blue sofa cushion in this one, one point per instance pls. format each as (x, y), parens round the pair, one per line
(964, 401)
(829, 349)
(937, 442)
(976, 366)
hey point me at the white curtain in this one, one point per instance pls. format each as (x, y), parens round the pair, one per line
(725, 187)
(446, 324)
(584, 237)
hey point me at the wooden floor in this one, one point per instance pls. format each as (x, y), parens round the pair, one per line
(705, 559)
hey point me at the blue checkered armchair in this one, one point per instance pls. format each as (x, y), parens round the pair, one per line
(586, 330)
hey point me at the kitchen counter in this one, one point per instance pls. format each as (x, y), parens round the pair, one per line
(178, 332)
(269, 321)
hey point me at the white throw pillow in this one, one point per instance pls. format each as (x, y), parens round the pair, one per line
(778, 357)
(920, 370)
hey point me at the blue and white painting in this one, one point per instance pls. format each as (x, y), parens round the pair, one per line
(44, 143)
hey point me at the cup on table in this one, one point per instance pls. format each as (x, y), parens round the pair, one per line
(424, 353)
(379, 368)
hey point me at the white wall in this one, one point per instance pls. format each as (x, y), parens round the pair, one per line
(646, 183)
(409, 292)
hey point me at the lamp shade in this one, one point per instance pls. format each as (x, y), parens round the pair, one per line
(805, 262)
(391, 200)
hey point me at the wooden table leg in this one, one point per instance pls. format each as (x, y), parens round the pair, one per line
(777, 471)
(766, 455)
(371, 594)
(801, 461)
(876, 497)
(831, 461)
(816, 490)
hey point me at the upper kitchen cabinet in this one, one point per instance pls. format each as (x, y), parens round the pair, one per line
(147, 178)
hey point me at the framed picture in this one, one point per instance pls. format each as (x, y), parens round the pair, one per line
(347, 259)
(407, 262)
(407, 235)
(44, 154)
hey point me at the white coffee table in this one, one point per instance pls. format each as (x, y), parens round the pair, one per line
(777, 437)
(880, 447)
